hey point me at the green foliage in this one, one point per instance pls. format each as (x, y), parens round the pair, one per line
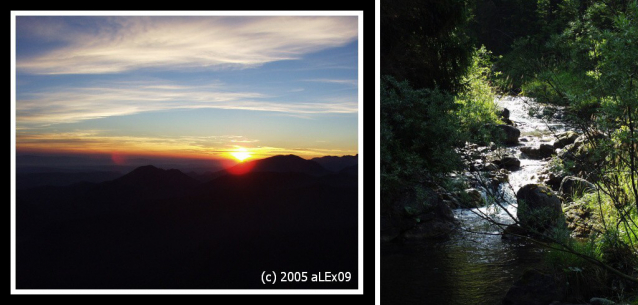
(476, 107)
(531, 50)
(563, 260)
(561, 167)
(595, 71)
(584, 56)
(420, 128)
(613, 89)
(555, 87)
(520, 65)
(539, 219)
(583, 279)
(418, 136)
(435, 93)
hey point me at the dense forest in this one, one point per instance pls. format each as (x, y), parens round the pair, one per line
(443, 65)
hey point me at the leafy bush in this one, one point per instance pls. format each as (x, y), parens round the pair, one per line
(476, 108)
(518, 66)
(418, 134)
(420, 129)
(555, 87)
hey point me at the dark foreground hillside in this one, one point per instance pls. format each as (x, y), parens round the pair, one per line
(155, 228)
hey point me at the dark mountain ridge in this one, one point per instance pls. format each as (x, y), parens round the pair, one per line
(335, 163)
(156, 228)
(280, 164)
(149, 175)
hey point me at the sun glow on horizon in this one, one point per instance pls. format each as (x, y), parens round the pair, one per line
(241, 154)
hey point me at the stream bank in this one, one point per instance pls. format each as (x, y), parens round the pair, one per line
(473, 264)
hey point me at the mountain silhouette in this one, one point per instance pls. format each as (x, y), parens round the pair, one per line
(151, 176)
(161, 229)
(280, 164)
(335, 163)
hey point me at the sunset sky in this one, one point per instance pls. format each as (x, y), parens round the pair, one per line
(200, 87)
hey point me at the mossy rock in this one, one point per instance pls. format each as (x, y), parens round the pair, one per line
(539, 208)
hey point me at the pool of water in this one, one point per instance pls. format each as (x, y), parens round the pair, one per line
(466, 269)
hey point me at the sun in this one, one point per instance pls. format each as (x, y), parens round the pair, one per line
(240, 155)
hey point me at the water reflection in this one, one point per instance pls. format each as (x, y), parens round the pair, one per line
(469, 268)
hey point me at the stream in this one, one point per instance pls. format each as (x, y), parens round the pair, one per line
(473, 266)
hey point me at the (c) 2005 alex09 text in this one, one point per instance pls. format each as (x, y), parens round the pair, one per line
(273, 277)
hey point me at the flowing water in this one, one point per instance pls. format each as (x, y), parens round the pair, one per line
(470, 267)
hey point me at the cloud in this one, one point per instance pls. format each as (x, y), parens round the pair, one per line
(118, 44)
(69, 105)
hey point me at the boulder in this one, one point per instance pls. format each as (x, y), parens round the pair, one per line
(504, 113)
(490, 167)
(420, 213)
(565, 139)
(508, 162)
(554, 180)
(510, 134)
(472, 198)
(571, 187)
(546, 150)
(541, 152)
(497, 177)
(450, 200)
(539, 208)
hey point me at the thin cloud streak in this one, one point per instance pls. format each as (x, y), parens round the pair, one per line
(129, 43)
(69, 105)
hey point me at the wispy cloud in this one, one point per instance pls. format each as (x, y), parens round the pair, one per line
(68, 105)
(127, 43)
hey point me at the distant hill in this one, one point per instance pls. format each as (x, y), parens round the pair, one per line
(335, 163)
(280, 164)
(141, 186)
(150, 175)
